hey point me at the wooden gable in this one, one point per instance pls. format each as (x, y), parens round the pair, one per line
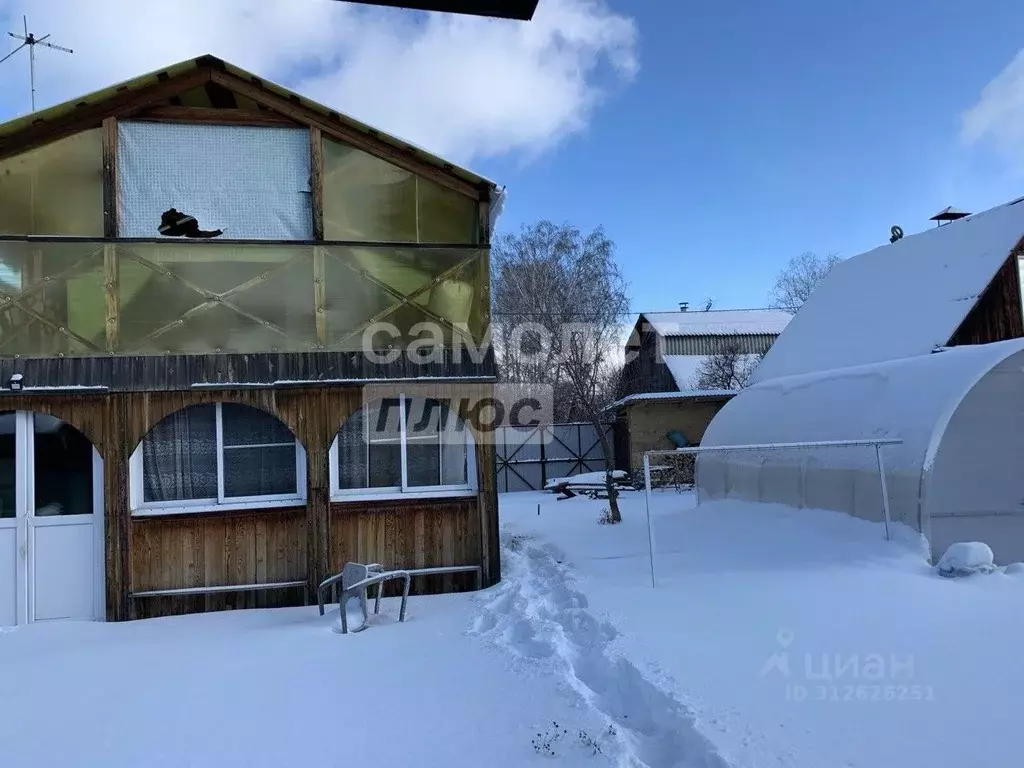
(213, 91)
(998, 314)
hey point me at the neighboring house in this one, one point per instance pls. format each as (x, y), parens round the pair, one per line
(917, 341)
(661, 389)
(210, 288)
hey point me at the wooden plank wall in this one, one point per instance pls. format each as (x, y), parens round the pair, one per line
(998, 314)
(409, 534)
(169, 552)
(212, 549)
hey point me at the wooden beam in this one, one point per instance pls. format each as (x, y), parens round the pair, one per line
(220, 97)
(86, 116)
(338, 130)
(111, 289)
(320, 295)
(484, 224)
(110, 177)
(316, 181)
(168, 113)
(316, 200)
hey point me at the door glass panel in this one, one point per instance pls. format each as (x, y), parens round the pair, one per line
(63, 468)
(7, 469)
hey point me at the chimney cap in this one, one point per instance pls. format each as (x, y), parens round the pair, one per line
(949, 213)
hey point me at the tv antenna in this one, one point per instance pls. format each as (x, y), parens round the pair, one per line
(30, 40)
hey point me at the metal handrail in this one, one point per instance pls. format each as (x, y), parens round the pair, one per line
(332, 581)
(377, 578)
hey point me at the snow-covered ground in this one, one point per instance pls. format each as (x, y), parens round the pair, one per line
(278, 688)
(774, 637)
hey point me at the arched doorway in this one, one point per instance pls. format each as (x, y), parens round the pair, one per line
(51, 521)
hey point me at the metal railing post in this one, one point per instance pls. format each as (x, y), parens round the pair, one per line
(650, 526)
(885, 488)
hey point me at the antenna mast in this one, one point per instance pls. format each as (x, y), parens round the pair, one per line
(30, 40)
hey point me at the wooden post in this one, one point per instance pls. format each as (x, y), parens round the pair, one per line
(316, 181)
(111, 283)
(117, 515)
(320, 296)
(316, 204)
(484, 224)
(110, 177)
(112, 324)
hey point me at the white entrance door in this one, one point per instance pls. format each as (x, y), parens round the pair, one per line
(51, 508)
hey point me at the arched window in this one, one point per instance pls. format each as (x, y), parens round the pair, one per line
(217, 456)
(403, 446)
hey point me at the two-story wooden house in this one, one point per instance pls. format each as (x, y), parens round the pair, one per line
(214, 295)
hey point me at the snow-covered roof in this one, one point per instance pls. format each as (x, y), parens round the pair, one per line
(898, 300)
(690, 394)
(718, 322)
(910, 399)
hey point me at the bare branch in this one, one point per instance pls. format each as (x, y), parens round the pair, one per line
(798, 280)
(728, 368)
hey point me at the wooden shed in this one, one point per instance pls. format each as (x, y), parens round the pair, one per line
(242, 341)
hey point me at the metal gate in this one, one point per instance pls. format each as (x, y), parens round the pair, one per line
(527, 457)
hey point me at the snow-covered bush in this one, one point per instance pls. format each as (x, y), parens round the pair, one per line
(966, 558)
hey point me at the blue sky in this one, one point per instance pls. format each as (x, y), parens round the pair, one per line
(750, 131)
(755, 131)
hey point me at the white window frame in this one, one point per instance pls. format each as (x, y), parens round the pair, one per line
(142, 508)
(405, 491)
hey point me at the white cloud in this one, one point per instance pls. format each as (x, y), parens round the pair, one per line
(998, 116)
(465, 88)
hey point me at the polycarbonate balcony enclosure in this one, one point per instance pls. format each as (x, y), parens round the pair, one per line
(227, 243)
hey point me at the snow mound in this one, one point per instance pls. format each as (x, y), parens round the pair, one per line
(966, 558)
(1014, 569)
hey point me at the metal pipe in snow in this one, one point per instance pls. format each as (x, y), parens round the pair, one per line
(650, 527)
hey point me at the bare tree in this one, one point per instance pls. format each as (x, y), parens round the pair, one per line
(798, 280)
(559, 301)
(547, 278)
(728, 368)
(589, 373)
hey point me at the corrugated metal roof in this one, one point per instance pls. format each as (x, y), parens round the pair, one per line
(688, 394)
(57, 111)
(719, 322)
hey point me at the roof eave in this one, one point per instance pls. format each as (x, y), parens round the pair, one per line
(35, 120)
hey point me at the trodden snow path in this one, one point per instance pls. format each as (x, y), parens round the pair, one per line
(538, 616)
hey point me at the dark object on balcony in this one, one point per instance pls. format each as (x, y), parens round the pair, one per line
(173, 223)
(521, 10)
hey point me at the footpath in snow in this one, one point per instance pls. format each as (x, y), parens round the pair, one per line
(775, 636)
(538, 615)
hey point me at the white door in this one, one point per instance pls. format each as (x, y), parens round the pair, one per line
(12, 544)
(51, 544)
